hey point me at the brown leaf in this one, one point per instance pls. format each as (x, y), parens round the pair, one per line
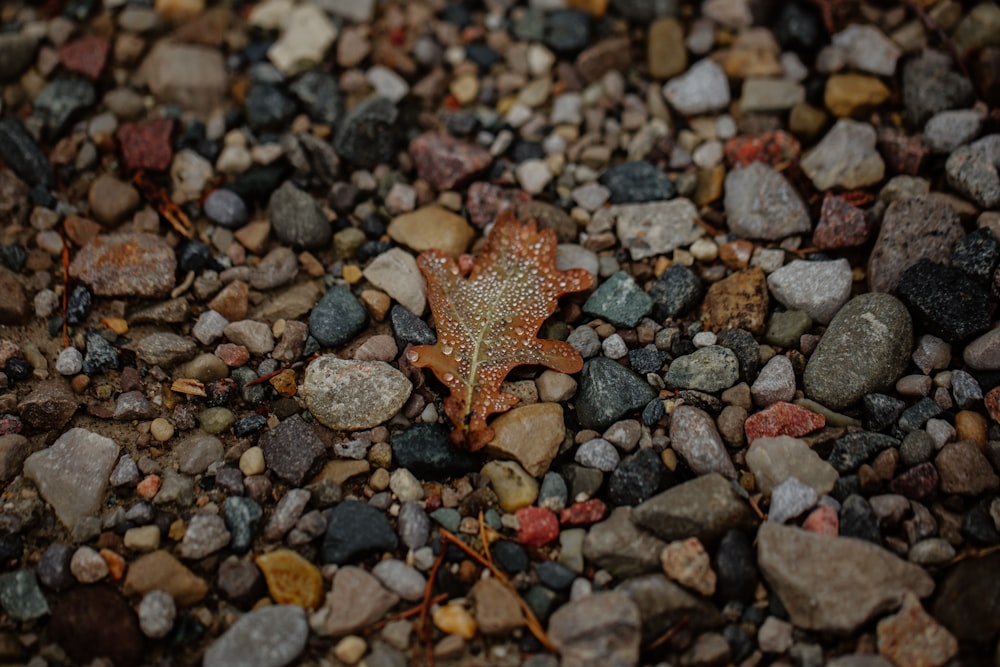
(487, 324)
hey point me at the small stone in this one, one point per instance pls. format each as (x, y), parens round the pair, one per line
(841, 224)
(165, 349)
(848, 94)
(973, 170)
(306, 35)
(356, 600)
(291, 449)
(739, 301)
(291, 579)
(297, 219)
(666, 55)
(694, 437)
(93, 622)
(705, 507)
(655, 228)
(790, 499)
(496, 607)
(454, 619)
(530, 435)
(608, 391)
(775, 383)
(366, 135)
(818, 288)
(401, 579)
(159, 570)
(775, 460)
(965, 470)
(948, 130)
(146, 145)
(22, 154)
(60, 102)
(637, 182)
(272, 636)
(538, 526)
(354, 530)
(619, 300)
(191, 76)
(337, 318)
(931, 85)
(432, 227)
(845, 157)
(782, 419)
(131, 264)
(205, 534)
(913, 638)
(514, 487)
(445, 162)
(709, 369)
(426, 451)
(111, 200)
(226, 208)
(597, 453)
(353, 395)
(395, 272)
(866, 48)
(20, 596)
(69, 362)
(350, 649)
(703, 88)
(687, 563)
(156, 614)
(945, 300)
(603, 628)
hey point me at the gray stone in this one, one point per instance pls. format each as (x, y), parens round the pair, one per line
(817, 288)
(271, 636)
(655, 228)
(770, 94)
(819, 583)
(191, 76)
(705, 507)
(775, 383)
(133, 405)
(703, 88)
(291, 449)
(297, 218)
(761, 204)
(72, 474)
(196, 453)
(165, 349)
(620, 547)
(205, 534)
(774, 460)
(13, 451)
(790, 499)
(866, 48)
(947, 130)
(209, 327)
(662, 603)
(619, 301)
(402, 579)
(912, 229)
(255, 336)
(865, 349)
(349, 395)
(710, 369)
(395, 272)
(696, 440)
(603, 628)
(983, 353)
(608, 391)
(930, 85)
(845, 157)
(973, 171)
(356, 600)
(597, 453)
(21, 597)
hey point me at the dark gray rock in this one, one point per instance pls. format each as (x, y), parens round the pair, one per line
(367, 134)
(946, 301)
(675, 292)
(426, 451)
(297, 218)
(637, 182)
(61, 101)
(337, 318)
(355, 530)
(706, 507)
(619, 301)
(608, 391)
(320, 94)
(22, 154)
(291, 449)
(931, 85)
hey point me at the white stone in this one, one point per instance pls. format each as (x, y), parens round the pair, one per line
(395, 272)
(702, 89)
(818, 288)
(307, 35)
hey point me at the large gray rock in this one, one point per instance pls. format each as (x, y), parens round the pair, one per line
(865, 349)
(72, 474)
(705, 507)
(656, 228)
(817, 288)
(761, 204)
(349, 395)
(834, 584)
(599, 629)
(267, 637)
(620, 547)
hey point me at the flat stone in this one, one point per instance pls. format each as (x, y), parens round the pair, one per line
(974, 170)
(775, 460)
(337, 318)
(705, 507)
(622, 548)
(191, 76)
(709, 369)
(656, 228)
(619, 300)
(352, 395)
(837, 376)
(845, 157)
(817, 288)
(761, 204)
(764, 94)
(165, 349)
(395, 272)
(445, 162)
(432, 227)
(911, 636)
(818, 581)
(72, 474)
(49, 406)
(703, 88)
(739, 301)
(272, 636)
(297, 219)
(197, 452)
(356, 600)
(161, 571)
(131, 264)
(608, 391)
(111, 200)
(529, 434)
(603, 628)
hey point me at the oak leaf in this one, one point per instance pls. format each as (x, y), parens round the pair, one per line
(487, 324)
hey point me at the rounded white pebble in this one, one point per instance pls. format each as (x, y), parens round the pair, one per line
(70, 361)
(704, 250)
(156, 614)
(704, 339)
(350, 649)
(161, 429)
(88, 566)
(252, 461)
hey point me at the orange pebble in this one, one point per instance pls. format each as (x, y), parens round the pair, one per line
(971, 425)
(823, 520)
(149, 486)
(736, 254)
(116, 564)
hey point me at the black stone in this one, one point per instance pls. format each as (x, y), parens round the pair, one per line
(853, 449)
(371, 249)
(844, 486)
(931, 85)
(646, 359)
(94, 622)
(675, 292)
(249, 425)
(481, 54)
(426, 451)
(701, 400)
(256, 393)
(78, 305)
(637, 478)
(799, 27)
(608, 391)
(268, 107)
(555, 576)
(978, 525)
(510, 556)
(917, 447)
(291, 449)
(946, 301)
(741, 645)
(746, 349)
(916, 415)
(100, 355)
(258, 182)
(735, 568)
(653, 412)
(367, 134)
(60, 102)
(978, 254)
(23, 156)
(582, 482)
(644, 11)
(220, 392)
(567, 30)
(858, 519)
(968, 600)
(522, 151)
(242, 516)
(355, 530)
(194, 256)
(636, 182)
(337, 318)
(11, 549)
(461, 123)
(226, 208)
(13, 256)
(320, 96)
(18, 369)
(881, 412)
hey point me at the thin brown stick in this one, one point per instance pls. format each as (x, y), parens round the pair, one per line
(409, 613)
(530, 620)
(670, 633)
(65, 295)
(483, 539)
(974, 553)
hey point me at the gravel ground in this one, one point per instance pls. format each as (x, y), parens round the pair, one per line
(770, 436)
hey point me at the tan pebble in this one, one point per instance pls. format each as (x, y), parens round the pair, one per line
(350, 649)
(284, 383)
(161, 429)
(669, 458)
(116, 324)
(352, 273)
(454, 619)
(970, 425)
(291, 579)
(143, 538)
(450, 646)
(177, 530)
(252, 462)
(465, 89)
(115, 563)
(376, 303)
(380, 479)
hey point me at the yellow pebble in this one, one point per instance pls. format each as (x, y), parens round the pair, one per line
(971, 425)
(284, 383)
(161, 429)
(454, 619)
(252, 461)
(291, 579)
(350, 649)
(116, 324)
(352, 273)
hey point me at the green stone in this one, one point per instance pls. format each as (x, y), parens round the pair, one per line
(347, 242)
(216, 420)
(619, 301)
(784, 329)
(448, 518)
(20, 595)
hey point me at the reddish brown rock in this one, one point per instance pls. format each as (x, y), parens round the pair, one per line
(86, 56)
(783, 419)
(232, 302)
(485, 201)
(605, 56)
(49, 406)
(444, 161)
(146, 145)
(773, 148)
(912, 638)
(916, 483)
(739, 301)
(841, 224)
(902, 154)
(133, 264)
(14, 307)
(538, 526)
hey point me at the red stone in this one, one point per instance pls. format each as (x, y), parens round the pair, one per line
(823, 520)
(86, 56)
(584, 513)
(992, 402)
(146, 145)
(485, 201)
(773, 148)
(903, 154)
(538, 526)
(782, 419)
(234, 355)
(444, 161)
(10, 424)
(916, 483)
(149, 486)
(841, 224)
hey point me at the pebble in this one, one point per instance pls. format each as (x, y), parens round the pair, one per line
(687, 563)
(432, 227)
(703, 88)
(790, 499)
(20, 596)
(72, 474)
(272, 636)
(931, 85)
(911, 636)
(655, 228)
(366, 133)
(836, 376)
(353, 395)
(445, 162)
(356, 600)
(867, 49)
(815, 287)
(773, 460)
(401, 579)
(189, 75)
(96, 622)
(405, 486)
(529, 434)
(707, 506)
(337, 318)
(165, 349)
(157, 612)
(608, 391)
(454, 619)
(88, 566)
(638, 182)
(597, 453)
(306, 35)
(111, 200)
(847, 95)
(946, 301)
(205, 534)
(845, 157)
(800, 567)
(761, 203)
(355, 530)
(69, 362)
(709, 369)
(297, 219)
(776, 382)
(604, 628)
(946, 131)
(60, 102)
(973, 171)
(395, 272)
(161, 571)
(426, 451)
(291, 579)
(514, 487)
(619, 300)
(964, 469)
(128, 264)
(841, 224)
(226, 208)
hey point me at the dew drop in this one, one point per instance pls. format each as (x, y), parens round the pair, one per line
(447, 349)
(448, 377)
(412, 355)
